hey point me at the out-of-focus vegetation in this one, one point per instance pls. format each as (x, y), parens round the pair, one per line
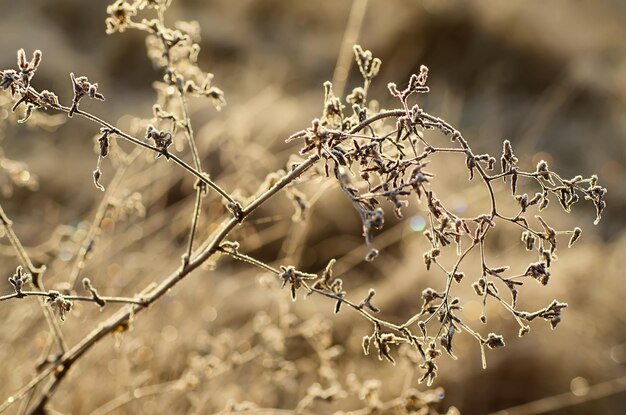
(550, 77)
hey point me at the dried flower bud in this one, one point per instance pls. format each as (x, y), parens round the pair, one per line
(94, 293)
(538, 271)
(21, 60)
(96, 179)
(9, 77)
(368, 65)
(371, 255)
(523, 330)
(49, 99)
(59, 304)
(18, 280)
(162, 140)
(575, 235)
(458, 276)
(366, 345)
(82, 87)
(478, 288)
(367, 302)
(494, 341)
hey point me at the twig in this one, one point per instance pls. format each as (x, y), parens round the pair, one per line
(87, 244)
(54, 294)
(37, 277)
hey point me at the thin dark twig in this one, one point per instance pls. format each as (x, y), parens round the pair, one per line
(37, 277)
(54, 294)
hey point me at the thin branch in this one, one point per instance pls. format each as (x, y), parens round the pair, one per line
(37, 277)
(54, 294)
(87, 244)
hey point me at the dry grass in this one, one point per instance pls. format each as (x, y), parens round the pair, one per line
(181, 185)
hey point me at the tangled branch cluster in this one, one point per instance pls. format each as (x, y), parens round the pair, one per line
(378, 158)
(385, 164)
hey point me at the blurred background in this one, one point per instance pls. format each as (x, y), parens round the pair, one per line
(548, 76)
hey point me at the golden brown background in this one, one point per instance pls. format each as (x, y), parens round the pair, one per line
(549, 76)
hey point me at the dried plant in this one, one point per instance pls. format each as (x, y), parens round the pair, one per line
(378, 158)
